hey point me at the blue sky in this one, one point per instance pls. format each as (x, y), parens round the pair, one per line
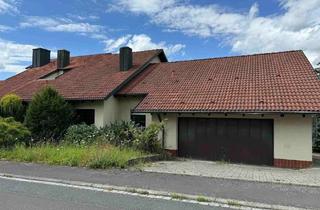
(186, 29)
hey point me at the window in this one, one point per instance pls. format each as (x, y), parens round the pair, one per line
(139, 119)
(85, 116)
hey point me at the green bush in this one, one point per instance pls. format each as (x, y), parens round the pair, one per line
(121, 134)
(127, 134)
(48, 116)
(81, 134)
(148, 138)
(12, 132)
(11, 106)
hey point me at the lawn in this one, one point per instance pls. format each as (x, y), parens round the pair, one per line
(95, 156)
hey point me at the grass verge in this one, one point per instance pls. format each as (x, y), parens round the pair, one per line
(98, 157)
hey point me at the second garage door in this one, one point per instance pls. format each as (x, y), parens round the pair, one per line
(236, 140)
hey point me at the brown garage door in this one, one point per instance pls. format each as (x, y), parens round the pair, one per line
(236, 140)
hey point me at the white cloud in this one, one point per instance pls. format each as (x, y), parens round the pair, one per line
(112, 45)
(64, 25)
(4, 28)
(297, 27)
(8, 6)
(14, 57)
(138, 6)
(141, 42)
(83, 18)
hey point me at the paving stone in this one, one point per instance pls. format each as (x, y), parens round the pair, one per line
(309, 177)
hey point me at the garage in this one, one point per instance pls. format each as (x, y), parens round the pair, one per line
(248, 141)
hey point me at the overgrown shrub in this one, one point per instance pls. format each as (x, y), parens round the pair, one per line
(48, 115)
(12, 132)
(81, 134)
(121, 134)
(127, 134)
(148, 138)
(11, 106)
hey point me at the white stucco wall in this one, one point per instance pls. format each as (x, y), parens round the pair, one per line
(128, 103)
(171, 130)
(293, 138)
(125, 105)
(113, 109)
(110, 110)
(98, 106)
(292, 133)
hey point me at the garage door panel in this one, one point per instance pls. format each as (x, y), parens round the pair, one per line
(235, 140)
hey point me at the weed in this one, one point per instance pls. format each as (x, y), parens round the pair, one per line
(202, 199)
(143, 192)
(178, 197)
(233, 203)
(132, 190)
(95, 156)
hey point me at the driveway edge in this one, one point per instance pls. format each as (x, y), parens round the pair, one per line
(237, 179)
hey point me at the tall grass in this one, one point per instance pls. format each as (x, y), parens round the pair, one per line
(95, 156)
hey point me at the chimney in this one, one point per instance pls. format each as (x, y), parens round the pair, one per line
(40, 57)
(125, 58)
(63, 59)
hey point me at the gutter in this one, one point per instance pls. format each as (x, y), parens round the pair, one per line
(225, 112)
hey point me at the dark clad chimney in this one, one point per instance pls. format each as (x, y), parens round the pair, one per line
(125, 58)
(40, 57)
(63, 59)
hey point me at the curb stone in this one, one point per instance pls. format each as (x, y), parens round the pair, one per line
(147, 158)
(211, 201)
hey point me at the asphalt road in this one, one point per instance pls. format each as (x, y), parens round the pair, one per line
(279, 194)
(17, 195)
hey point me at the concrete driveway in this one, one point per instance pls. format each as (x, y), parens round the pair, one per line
(306, 177)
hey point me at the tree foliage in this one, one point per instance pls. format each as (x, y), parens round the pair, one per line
(48, 115)
(11, 106)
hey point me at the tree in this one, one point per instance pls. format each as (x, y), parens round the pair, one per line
(11, 106)
(48, 115)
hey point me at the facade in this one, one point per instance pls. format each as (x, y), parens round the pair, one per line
(254, 109)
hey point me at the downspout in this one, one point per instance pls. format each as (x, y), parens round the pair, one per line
(163, 132)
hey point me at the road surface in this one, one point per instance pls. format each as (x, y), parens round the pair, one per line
(268, 193)
(19, 195)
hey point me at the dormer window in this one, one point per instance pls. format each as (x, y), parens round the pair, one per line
(53, 75)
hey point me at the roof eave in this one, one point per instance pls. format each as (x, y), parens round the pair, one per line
(224, 112)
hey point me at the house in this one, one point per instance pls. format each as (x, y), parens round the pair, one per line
(254, 109)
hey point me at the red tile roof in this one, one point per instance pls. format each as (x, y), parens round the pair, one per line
(90, 77)
(271, 82)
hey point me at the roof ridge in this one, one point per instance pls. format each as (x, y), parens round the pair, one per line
(235, 56)
(157, 49)
(97, 54)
